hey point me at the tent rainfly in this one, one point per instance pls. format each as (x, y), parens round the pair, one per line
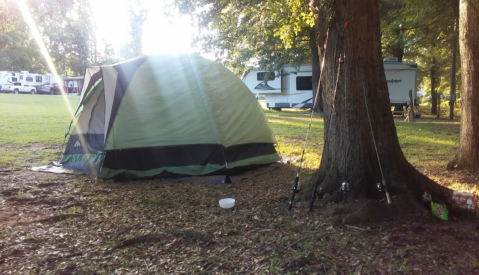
(166, 116)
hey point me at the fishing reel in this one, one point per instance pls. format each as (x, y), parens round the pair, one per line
(345, 191)
(296, 187)
(380, 187)
(383, 189)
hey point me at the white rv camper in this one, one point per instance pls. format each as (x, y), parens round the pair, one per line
(9, 79)
(292, 87)
(289, 88)
(401, 78)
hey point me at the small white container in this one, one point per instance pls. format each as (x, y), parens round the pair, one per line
(227, 203)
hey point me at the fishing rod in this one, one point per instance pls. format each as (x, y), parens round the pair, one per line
(296, 186)
(383, 183)
(315, 190)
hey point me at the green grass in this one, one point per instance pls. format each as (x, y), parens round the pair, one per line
(32, 129)
(27, 119)
(290, 128)
(425, 142)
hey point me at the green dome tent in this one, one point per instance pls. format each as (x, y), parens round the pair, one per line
(166, 115)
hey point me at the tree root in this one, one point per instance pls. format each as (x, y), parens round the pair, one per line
(439, 193)
(47, 184)
(453, 165)
(58, 218)
(374, 211)
(10, 192)
(134, 241)
(9, 171)
(179, 234)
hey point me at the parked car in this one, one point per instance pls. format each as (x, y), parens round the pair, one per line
(55, 89)
(18, 87)
(44, 89)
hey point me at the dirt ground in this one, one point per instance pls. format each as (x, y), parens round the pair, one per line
(71, 224)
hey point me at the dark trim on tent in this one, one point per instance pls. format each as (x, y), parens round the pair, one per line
(143, 159)
(74, 145)
(126, 71)
(93, 79)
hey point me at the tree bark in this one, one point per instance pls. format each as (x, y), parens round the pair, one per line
(315, 70)
(357, 103)
(467, 155)
(319, 36)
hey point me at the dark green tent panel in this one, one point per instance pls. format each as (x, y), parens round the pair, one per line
(167, 115)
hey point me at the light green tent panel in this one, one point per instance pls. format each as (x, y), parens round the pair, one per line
(168, 99)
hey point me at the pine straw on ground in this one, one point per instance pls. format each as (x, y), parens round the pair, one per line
(66, 224)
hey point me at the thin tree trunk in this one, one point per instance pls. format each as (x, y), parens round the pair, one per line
(452, 93)
(358, 103)
(468, 152)
(438, 104)
(433, 87)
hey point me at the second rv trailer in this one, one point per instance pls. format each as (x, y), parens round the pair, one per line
(292, 87)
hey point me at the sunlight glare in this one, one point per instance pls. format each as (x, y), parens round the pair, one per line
(167, 36)
(38, 39)
(162, 33)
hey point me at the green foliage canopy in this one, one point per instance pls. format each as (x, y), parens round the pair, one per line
(264, 33)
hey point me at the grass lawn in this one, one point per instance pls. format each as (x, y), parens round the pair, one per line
(32, 128)
(76, 224)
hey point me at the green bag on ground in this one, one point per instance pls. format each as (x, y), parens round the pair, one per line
(439, 210)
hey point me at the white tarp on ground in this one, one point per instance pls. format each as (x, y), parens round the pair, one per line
(54, 167)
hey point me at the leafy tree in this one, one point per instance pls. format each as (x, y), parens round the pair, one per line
(268, 34)
(21, 53)
(8, 16)
(66, 29)
(17, 50)
(107, 57)
(138, 15)
(421, 31)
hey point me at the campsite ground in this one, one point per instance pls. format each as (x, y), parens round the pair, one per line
(70, 224)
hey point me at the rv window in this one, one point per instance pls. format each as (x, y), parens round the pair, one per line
(304, 83)
(38, 79)
(29, 79)
(14, 79)
(13, 74)
(21, 77)
(265, 76)
(17, 84)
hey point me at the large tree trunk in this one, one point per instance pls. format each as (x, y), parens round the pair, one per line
(468, 152)
(349, 150)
